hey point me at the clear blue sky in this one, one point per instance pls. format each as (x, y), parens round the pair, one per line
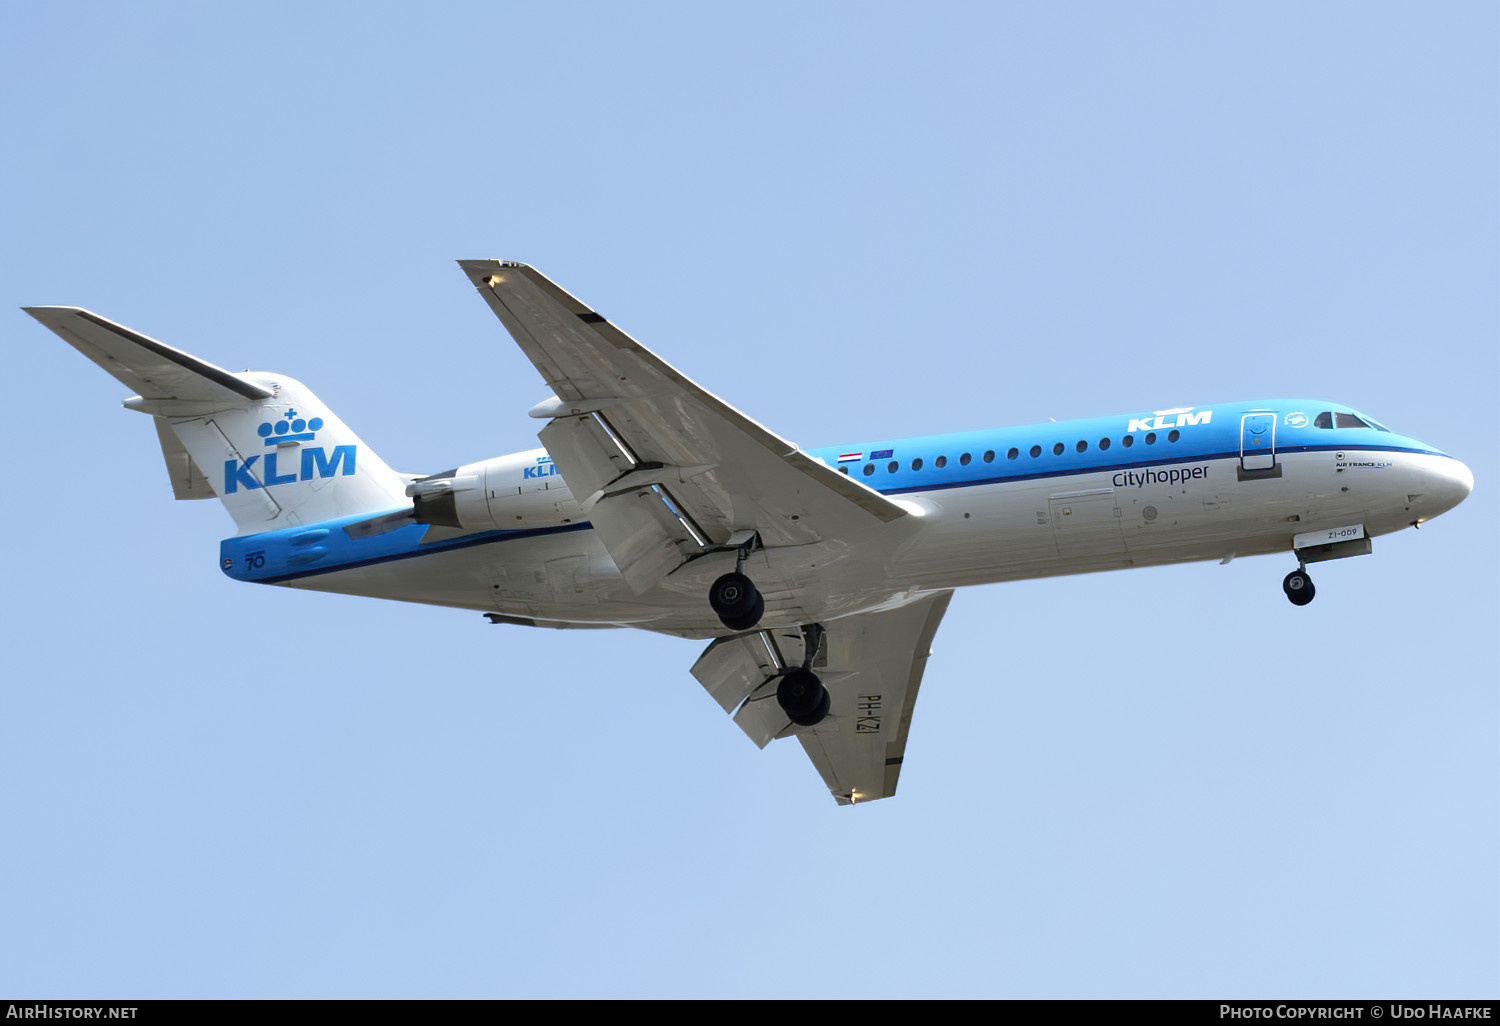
(850, 220)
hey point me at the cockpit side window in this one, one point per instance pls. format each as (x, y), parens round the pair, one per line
(1323, 420)
(1349, 420)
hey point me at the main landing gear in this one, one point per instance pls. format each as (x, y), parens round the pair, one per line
(801, 694)
(803, 697)
(1299, 587)
(734, 598)
(737, 602)
(739, 606)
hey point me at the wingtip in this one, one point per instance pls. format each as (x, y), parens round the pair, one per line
(482, 266)
(42, 313)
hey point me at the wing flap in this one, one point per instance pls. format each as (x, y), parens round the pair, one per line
(741, 673)
(633, 529)
(586, 456)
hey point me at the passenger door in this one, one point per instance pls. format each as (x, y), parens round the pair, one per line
(1258, 441)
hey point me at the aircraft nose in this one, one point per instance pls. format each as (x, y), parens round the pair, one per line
(1449, 482)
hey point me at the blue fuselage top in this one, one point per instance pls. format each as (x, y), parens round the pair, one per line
(1118, 443)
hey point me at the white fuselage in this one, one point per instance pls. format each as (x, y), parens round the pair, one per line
(955, 536)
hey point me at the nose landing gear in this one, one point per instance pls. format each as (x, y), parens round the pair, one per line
(1298, 587)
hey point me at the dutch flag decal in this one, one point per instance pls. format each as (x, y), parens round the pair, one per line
(850, 457)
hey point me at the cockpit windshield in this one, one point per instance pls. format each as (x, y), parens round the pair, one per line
(1340, 419)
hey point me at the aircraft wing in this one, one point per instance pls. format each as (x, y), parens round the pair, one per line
(665, 470)
(871, 664)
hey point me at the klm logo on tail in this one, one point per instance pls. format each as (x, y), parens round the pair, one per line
(313, 462)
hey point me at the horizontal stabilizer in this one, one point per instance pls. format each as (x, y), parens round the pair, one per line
(150, 368)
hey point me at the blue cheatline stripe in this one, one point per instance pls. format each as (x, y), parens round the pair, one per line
(1111, 468)
(276, 545)
(468, 542)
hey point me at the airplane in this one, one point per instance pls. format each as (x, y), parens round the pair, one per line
(819, 577)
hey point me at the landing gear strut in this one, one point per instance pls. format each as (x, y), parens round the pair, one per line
(1299, 587)
(734, 598)
(801, 694)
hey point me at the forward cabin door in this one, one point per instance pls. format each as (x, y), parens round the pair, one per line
(1258, 441)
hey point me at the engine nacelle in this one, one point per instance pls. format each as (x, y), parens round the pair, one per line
(508, 493)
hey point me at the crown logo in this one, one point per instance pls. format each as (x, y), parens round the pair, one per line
(291, 428)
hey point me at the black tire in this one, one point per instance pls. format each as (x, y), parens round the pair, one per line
(737, 602)
(803, 697)
(750, 619)
(1299, 587)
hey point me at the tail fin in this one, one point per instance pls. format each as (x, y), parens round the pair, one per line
(265, 445)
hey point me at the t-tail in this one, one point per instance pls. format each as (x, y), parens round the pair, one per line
(262, 443)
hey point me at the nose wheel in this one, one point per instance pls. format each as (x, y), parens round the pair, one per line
(1298, 587)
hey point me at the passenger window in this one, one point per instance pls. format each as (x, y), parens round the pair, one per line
(942, 461)
(964, 459)
(1348, 420)
(1323, 420)
(989, 456)
(844, 471)
(869, 469)
(1057, 449)
(1151, 438)
(1103, 443)
(1082, 446)
(1174, 436)
(1036, 450)
(893, 466)
(1128, 441)
(1013, 454)
(916, 464)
